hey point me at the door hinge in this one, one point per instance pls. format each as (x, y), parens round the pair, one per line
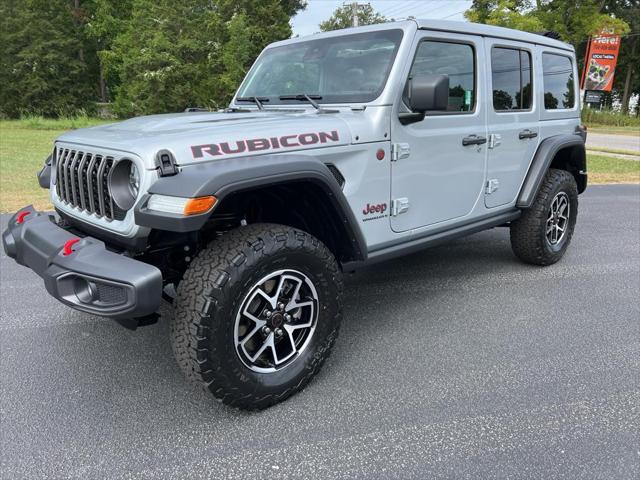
(399, 151)
(492, 186)
(495, 139)
(399, 205)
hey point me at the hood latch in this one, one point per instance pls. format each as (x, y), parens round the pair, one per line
(166, 163)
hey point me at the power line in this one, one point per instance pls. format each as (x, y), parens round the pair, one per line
(409, 7)
(453, 14)
(397, 9)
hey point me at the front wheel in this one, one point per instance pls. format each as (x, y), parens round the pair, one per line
(257, 313)
(543, 232)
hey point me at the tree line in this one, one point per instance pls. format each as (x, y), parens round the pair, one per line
(59, 57)
(575, 21)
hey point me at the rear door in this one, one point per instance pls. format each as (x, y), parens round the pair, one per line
(513, 119)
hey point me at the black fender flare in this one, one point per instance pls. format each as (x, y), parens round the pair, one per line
(542, 160)
(221, 178)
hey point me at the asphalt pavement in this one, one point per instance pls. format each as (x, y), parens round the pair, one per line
(455, 362)
(615, 142)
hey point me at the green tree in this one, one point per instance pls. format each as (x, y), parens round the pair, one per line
(173, 55)
(517, 14)
(250, 26)
(627, 75)
(106, 19)
(343, 18)
(576, 20)
(43, 59)
(573, 20)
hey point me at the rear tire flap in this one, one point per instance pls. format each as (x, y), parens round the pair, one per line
(211, 293)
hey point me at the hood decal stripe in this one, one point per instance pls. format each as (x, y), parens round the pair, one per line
(260, 144)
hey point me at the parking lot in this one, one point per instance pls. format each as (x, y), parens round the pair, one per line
(457, 361)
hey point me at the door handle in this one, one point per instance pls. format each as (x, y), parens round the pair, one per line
(473, 140)
(527, 134)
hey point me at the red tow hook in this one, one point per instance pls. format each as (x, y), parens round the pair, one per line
(67, 250)
(21, 215)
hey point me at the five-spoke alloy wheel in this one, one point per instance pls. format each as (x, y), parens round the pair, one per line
(558, 218)
(257, 313)
(276, 321)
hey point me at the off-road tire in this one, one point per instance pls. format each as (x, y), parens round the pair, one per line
(528, 233)
(210, 295)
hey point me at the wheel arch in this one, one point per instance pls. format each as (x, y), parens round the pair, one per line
(563, 152)
(294, 190)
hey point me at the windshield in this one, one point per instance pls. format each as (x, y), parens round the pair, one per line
(345, 69)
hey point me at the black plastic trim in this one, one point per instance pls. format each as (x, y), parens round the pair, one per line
(38, 243)
(224, 177)
(433, 238)
(545, 154)
(137, 243)
(44, 175)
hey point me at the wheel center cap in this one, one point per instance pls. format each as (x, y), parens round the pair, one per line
(276, 320)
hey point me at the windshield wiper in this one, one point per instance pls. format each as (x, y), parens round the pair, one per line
(257, 100)
(303, 97)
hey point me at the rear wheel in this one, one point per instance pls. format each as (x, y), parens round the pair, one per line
(257, 314)
(543, 232)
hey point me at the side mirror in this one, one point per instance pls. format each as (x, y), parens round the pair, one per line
(426, 93)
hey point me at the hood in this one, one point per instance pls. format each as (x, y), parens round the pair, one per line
(197, 137)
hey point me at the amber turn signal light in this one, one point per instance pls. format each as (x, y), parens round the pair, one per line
(194, 206)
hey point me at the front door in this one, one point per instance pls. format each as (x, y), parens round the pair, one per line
(512, 118)
(442, 176)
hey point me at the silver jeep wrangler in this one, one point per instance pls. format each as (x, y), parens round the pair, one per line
(338, 150)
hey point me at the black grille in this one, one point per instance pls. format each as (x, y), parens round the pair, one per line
(336, 173)
(111, 294)
(81, 181)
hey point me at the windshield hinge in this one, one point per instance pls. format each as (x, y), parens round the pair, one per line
(399, 151)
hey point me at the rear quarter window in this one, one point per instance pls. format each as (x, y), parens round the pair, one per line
(559, 85)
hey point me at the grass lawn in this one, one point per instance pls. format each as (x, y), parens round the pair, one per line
(613, 130)
(612, 170)
(22, 154)
(24, 144)
(614, 150)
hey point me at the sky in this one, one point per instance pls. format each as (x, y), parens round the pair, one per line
(306, 22)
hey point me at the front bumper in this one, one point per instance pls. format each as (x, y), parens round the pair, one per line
(81, 272)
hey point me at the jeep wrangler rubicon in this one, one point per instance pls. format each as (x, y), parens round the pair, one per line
(338, 150)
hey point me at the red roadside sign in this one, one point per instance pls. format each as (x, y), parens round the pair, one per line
(600, 62)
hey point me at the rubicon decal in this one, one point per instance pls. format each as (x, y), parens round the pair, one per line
(260, 144)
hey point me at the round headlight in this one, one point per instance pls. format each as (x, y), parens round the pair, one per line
(124, 184)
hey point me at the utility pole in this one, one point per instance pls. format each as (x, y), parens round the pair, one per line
(355, 9)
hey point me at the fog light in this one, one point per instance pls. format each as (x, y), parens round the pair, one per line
(84, 289)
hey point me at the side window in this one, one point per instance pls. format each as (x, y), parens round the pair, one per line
(511, 79)
(557, 72)
(455, 60)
